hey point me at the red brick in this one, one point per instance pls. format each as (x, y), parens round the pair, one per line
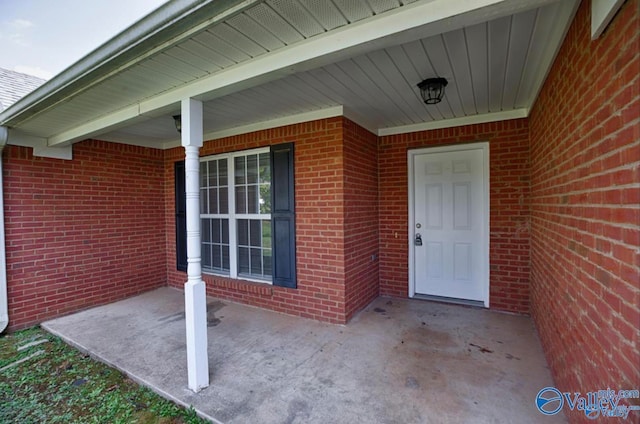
(93, 236)
(331, 263)
(584, 190)
(509, 215)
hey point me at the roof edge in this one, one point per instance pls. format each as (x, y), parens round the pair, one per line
(156, 29)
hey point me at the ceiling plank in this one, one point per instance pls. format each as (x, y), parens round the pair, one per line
(198, 48)
(274, 23)
(198, 61)
(411, 79)
(354, 10)
(238, 40)
(396, 88)
(384, 30)
(478, 51)
(439, 58)
(213, 42)
(381, 6)
(551, 27)
(326, 13)
(521, 28)
(297, 16)
(322, 80)
(458, 53)
(421, 63)
(256, 32)
(181, 72)
(499, 34)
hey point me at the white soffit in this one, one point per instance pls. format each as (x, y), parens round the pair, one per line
(284, 58)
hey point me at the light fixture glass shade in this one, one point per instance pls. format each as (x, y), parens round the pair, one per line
(177, 119)
(432, 90)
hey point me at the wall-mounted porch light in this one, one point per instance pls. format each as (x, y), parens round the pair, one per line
(432, 90)
(177, 119)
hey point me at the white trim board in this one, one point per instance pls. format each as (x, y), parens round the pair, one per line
(455, 122)
(602, 13)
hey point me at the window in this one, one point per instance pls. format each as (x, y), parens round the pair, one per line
(235, 213)
(247, 213)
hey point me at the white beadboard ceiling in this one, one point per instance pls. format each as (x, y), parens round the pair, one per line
(495, 68)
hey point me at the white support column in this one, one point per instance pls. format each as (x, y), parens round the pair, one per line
(194, 289)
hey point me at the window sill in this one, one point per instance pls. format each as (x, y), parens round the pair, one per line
(262, 289)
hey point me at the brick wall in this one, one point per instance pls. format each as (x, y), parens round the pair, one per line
(361, 217)
(585, 155)
(320, 218)
(509, 207)
(83, 232)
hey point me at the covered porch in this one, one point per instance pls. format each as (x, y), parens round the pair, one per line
(398, 360)
(92, 194)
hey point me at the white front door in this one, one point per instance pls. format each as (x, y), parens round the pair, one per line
(449, 222)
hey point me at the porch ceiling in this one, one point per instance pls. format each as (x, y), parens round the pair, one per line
(267, 63)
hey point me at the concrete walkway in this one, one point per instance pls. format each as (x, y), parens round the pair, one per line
(398, 361)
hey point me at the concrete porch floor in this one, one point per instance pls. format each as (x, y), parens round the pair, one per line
(397, 361)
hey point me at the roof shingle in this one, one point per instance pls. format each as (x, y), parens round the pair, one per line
(15, 85)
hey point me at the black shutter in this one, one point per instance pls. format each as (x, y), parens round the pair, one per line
(181, 216)
(283, 225)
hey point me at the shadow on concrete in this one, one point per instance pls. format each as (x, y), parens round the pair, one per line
(397, 361)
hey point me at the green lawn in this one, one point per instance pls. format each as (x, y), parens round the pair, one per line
(58, 384)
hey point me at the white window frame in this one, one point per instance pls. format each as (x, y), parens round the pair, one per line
(233, 217)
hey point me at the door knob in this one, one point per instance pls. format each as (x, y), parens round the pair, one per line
(418, 240)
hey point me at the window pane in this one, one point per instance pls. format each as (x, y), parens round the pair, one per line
(252, 196)
(213, 173)
(266, 234)
(225, 258)
(240, 171)
(204, 201)
(243, 260)
(206, 230)
(224, 200)
(203, 174)
(252, 169)
(241, 199)
(215, 247)
(266, 261)
(225, 230)
(222, 172)
(265, 199)
(215, 230)
(217, 256)
(255, 233)
(243, 232)
(206, 256)
(265, 168)
(213, 200)
(256, 261)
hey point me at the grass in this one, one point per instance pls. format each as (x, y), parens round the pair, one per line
(58, 384)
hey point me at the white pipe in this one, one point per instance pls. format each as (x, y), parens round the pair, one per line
(4, 301)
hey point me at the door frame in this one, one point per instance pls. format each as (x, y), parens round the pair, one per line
(484, 147)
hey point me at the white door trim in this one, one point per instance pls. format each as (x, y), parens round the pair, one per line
(484, 146)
